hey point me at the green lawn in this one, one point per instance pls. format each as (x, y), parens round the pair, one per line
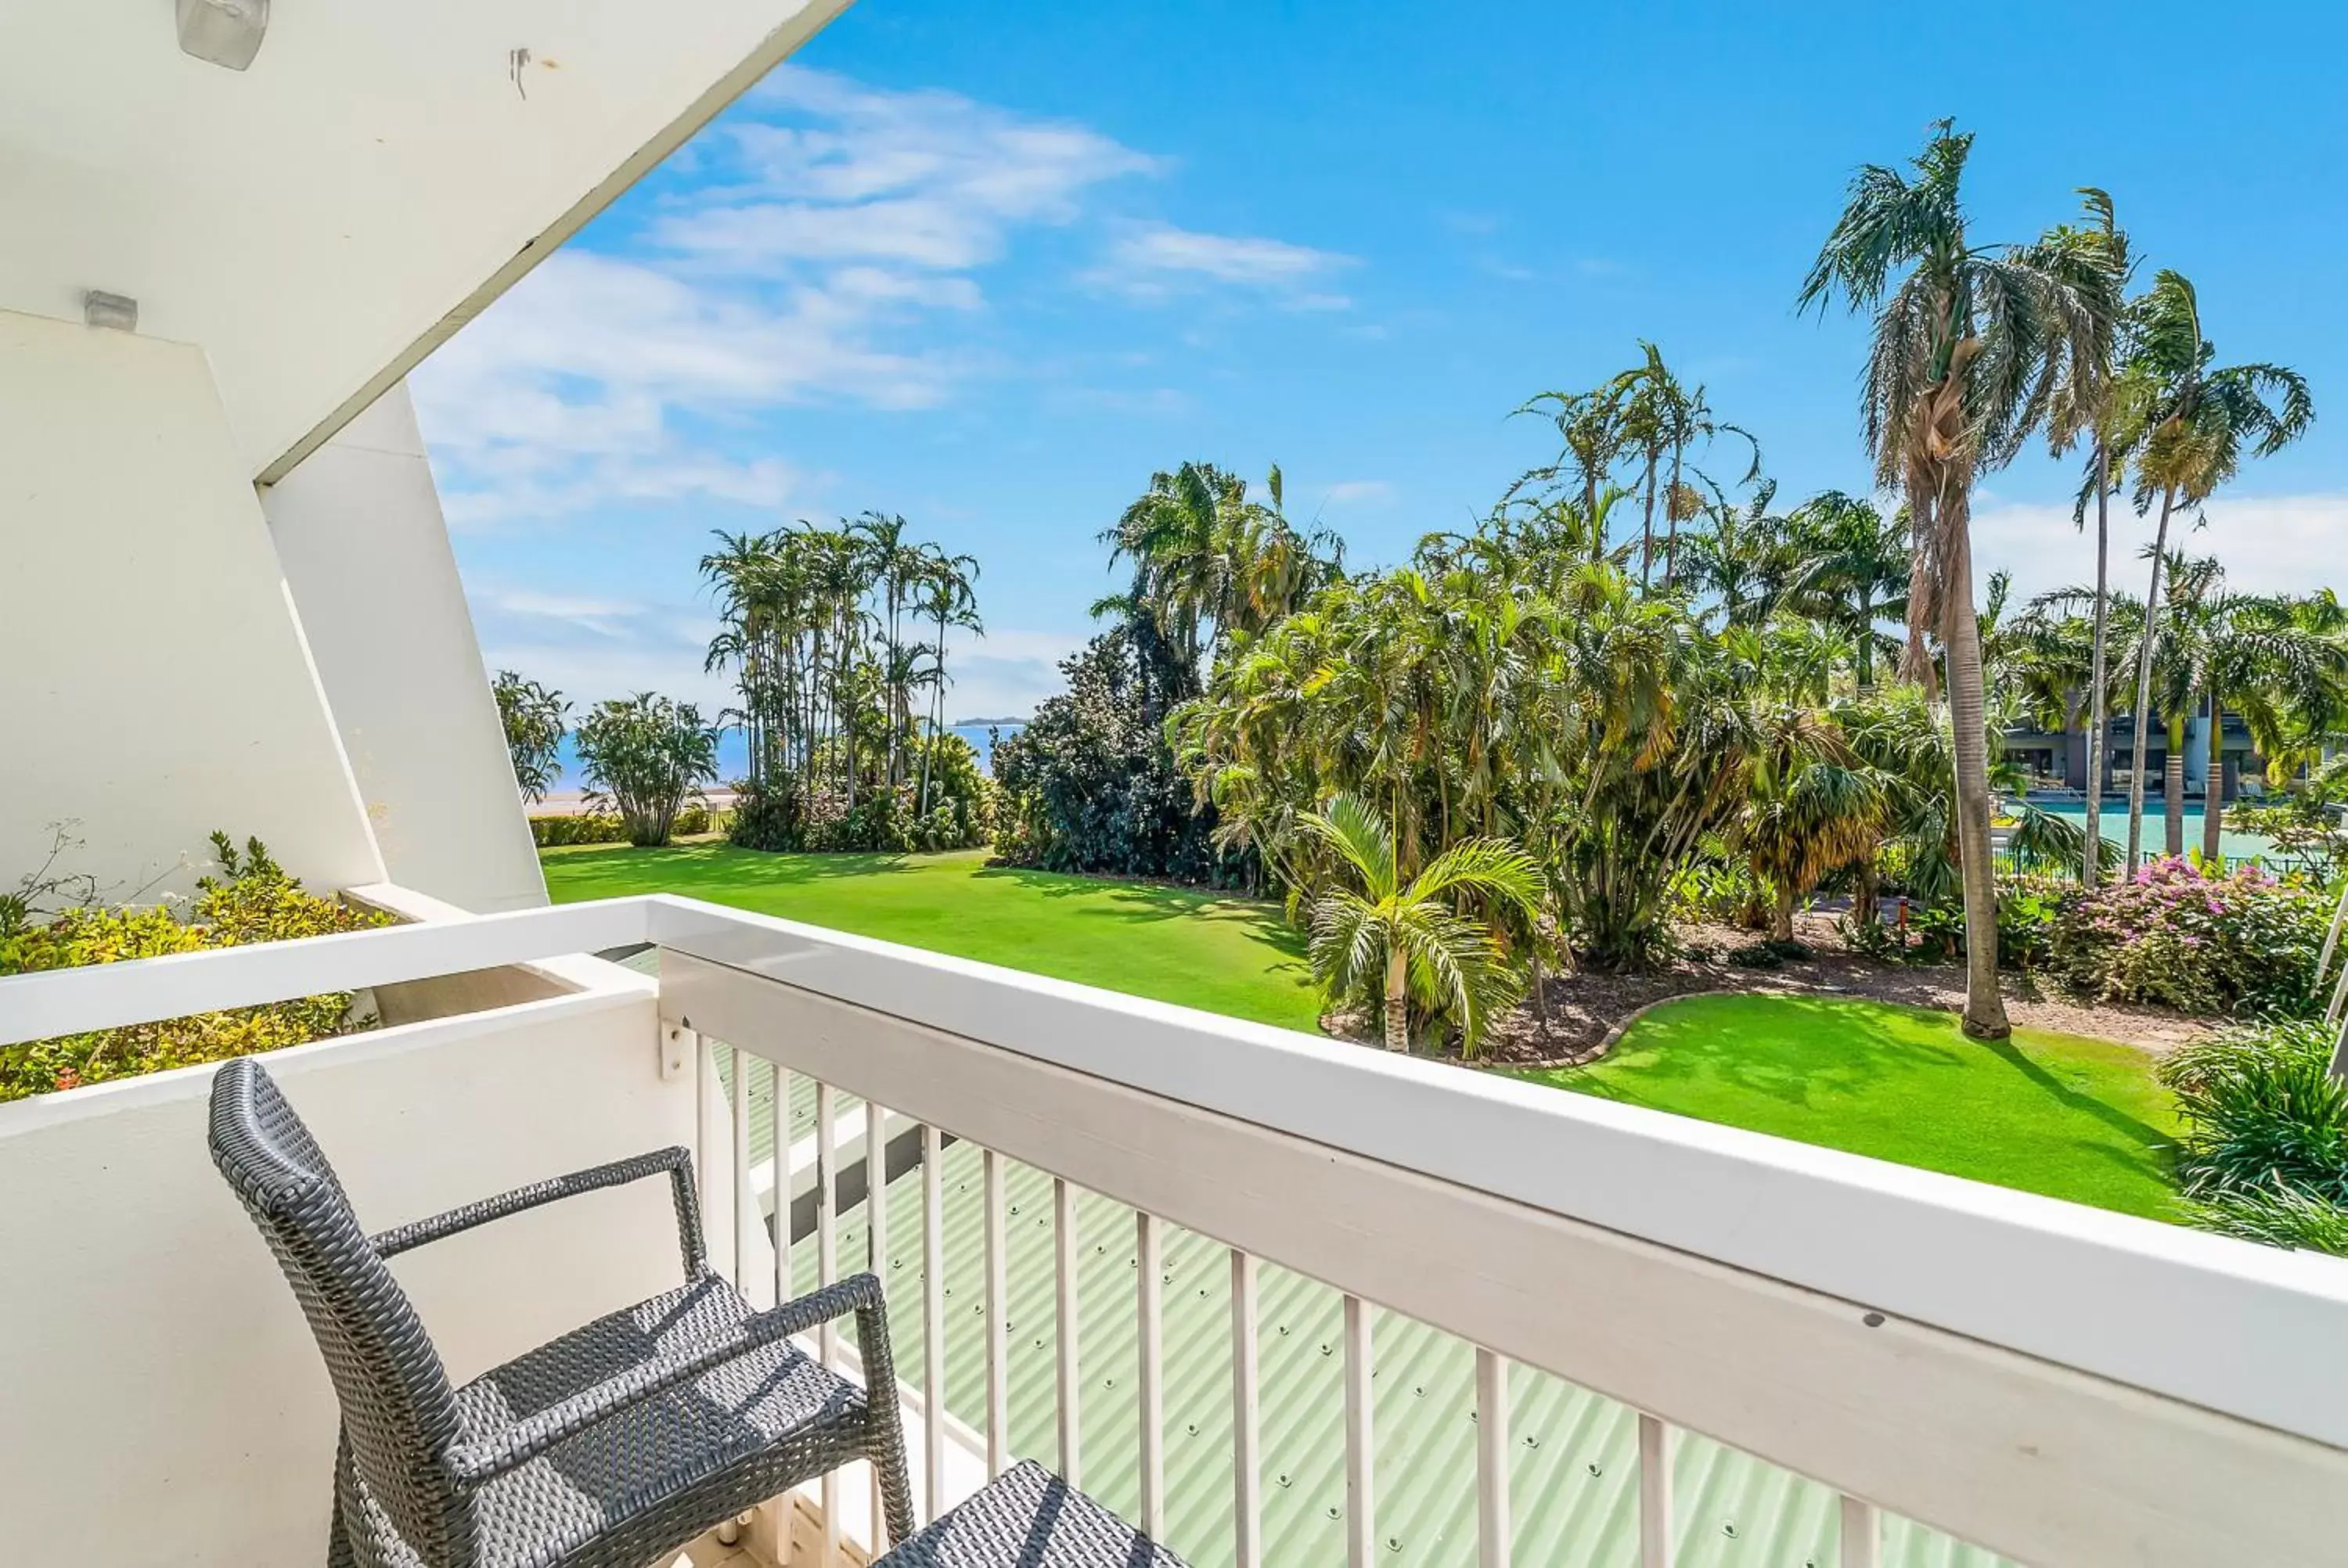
(2074, 1118)
(1224, 955)
(2054, 1114)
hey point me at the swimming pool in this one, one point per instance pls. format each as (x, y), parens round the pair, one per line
(2114, 823)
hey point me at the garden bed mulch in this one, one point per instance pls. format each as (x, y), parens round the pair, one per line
(1587, 1009)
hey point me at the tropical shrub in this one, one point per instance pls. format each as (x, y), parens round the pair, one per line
(1091, 785)
(647, 754)
(533, 720)
(251, 901)
(554, 832)
(2030, 908)
(1403, 944)
(2241, 942)
(769, 813)
(2265, 1154)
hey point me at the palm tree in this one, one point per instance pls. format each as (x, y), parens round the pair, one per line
(2096, 400)
(2201, 423)
(1812, 807)
(948, 596)
(1853, 571)
(1410, 937)
(1969, 345)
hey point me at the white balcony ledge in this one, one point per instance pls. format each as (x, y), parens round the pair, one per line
(2051, 1383)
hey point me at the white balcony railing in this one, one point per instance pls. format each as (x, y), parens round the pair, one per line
(2053, 1384)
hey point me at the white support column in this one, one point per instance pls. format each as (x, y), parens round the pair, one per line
(1862, 1534)
(1247, 1461)
(1069, 1384)
(998, 1341)
(933, 1321)
(1149, 1306)
(1360, 1511)
(1654, 1493)
(1492, 1527)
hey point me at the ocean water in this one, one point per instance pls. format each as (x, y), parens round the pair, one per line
(734, 752)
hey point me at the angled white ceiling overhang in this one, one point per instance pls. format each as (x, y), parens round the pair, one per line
(318, 222)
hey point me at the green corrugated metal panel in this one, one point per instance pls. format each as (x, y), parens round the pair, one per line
(1573, 1481)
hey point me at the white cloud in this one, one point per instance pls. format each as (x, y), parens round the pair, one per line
(591, 647)
(836, 228)
(1358, 492)
(1155, 260)
(2269, 544)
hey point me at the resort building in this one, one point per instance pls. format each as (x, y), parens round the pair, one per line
(2058, 759)
(1275, 1299)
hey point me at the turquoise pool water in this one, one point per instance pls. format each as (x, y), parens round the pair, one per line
(2113, 824)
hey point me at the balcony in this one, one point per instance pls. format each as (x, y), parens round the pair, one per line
(1278, 1299)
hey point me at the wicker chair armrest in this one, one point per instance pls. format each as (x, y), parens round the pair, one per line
(675, 1163)
(474, 1464)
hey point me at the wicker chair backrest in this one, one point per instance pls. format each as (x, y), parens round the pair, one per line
(398, 1410)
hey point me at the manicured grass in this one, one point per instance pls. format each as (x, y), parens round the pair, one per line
(1224, 955)
(2058, 1114)
(2072, 1118)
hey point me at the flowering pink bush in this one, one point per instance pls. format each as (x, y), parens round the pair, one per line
(2239, 943)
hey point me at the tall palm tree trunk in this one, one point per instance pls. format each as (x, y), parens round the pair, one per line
(1961, 633)
(1398, 996)
(2213, 793)
(2099, 721)
(1672, 521)
(1647, 530)
(2143, 711)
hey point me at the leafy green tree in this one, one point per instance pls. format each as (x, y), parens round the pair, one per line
(533, 719)
(1852, 571)
(1405, 941)
(646, 755)
(1969, 344)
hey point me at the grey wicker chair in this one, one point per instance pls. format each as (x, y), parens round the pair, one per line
(609, 1447)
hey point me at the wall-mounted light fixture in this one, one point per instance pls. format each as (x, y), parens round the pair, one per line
(100, 308)
(225, 32)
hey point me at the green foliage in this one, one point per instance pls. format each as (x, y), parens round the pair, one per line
(2030, 912)
(555, 832)
(1090, 785)
(648, 755)
(2173, 935)
(1405, 945)
(533, 719)
(251, 901)
(2265, 1154)
(769, 813)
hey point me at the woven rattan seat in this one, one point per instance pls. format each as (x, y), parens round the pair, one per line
(1030, 1518)
(607, 1448)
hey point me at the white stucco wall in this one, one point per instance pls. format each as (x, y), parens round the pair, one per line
(359, 532)
(153, 681)
(164, 1405)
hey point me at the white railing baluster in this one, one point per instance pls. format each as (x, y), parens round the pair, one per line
(1064, 1241)
(933, 1321)
(1361, 1511)
(998, 1340)
(827, 1263)
(746, 1201)
(778, 1162)
(1862, 1534)
(876, 1258)
(1149, 1307)
(1654, 1493)
(704, 1136)
(1492, 1533)
(1247, 1505)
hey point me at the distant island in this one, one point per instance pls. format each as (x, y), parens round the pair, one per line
(984, 723)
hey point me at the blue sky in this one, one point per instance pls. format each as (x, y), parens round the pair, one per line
(990, 264)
